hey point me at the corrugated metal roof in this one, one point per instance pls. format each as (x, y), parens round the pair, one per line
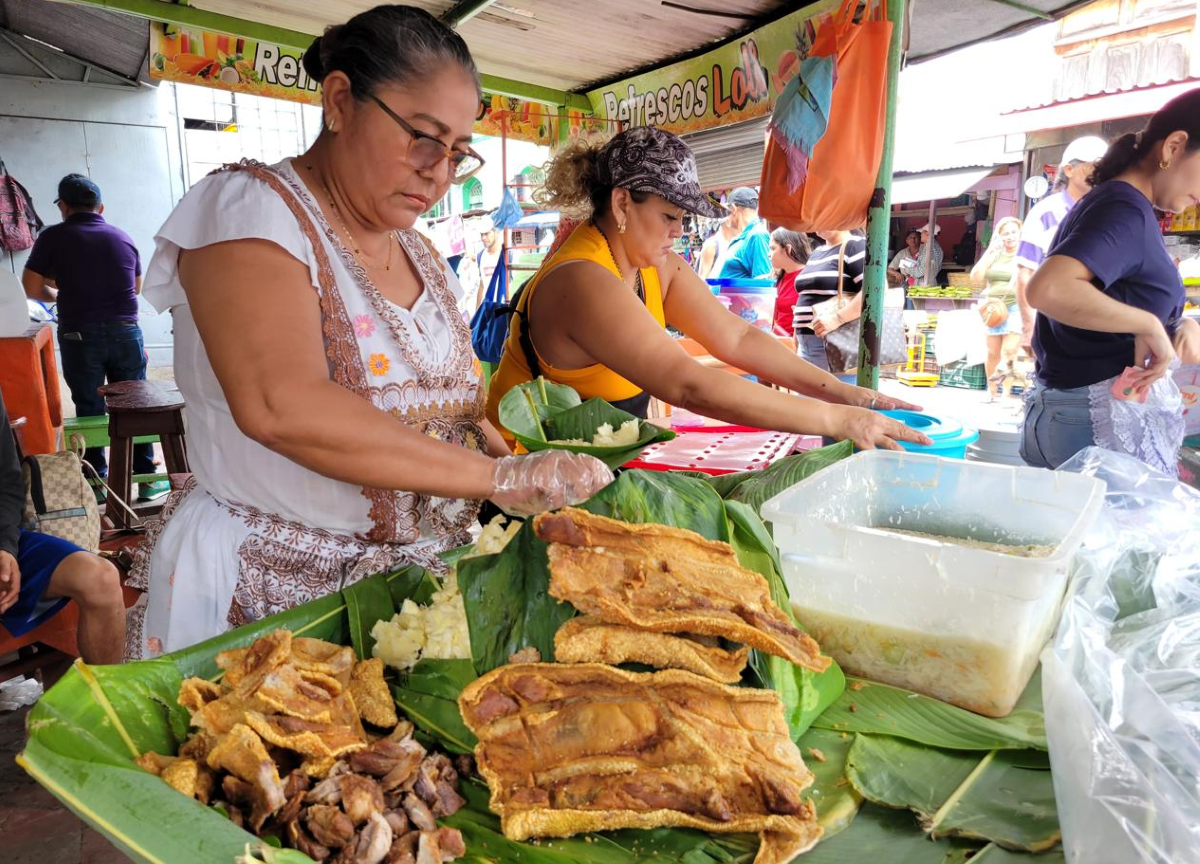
(118, 43)
(574, 44)
(566, 44)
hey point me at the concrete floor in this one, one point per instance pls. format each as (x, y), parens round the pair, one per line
(34, 827)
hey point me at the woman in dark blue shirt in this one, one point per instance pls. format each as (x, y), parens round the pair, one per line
(1111, 299)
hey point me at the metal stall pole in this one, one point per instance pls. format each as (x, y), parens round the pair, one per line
(879, 215)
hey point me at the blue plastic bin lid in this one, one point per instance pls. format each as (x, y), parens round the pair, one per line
(742, 286)
(944, 431)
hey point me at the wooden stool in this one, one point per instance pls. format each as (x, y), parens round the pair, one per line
(135, 409)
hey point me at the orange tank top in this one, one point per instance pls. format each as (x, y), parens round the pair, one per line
(586, 243)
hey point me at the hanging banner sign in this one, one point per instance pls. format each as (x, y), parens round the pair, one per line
(189, 56)
(734, 82)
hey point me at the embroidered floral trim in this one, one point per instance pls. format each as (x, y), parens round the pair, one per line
(364, 326)
(379, 364)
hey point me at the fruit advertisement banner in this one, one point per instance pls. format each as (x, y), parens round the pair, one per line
(189, 56)
(734, 82)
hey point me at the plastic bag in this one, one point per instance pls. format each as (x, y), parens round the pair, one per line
(1121, 682)
(18, 692)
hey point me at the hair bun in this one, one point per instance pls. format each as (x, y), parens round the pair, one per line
(312, 62)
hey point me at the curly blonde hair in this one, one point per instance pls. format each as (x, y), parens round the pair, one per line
(572, 186)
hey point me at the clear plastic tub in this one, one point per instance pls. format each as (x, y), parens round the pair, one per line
(750, 299)
(959, 623)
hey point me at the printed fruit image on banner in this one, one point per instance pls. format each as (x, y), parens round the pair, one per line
(224, 62)
(737, 81)
(189, 56)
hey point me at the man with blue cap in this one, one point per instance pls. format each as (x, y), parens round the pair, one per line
(749, 256)
(92, 270)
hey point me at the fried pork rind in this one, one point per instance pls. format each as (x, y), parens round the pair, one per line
(653, 577)
(266, 655)
(309, 738)
(371, 695)
(286, 691)
(154, 763)
(231, 662)
(318, 766)
(573, 748)
(190, 778)
(195, 693)
(220, 716)
(586, 639)
(324, 658)
(241, 752)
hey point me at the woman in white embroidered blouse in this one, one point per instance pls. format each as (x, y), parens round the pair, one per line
(335, 421)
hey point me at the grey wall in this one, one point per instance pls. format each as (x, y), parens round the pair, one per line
(126, 139)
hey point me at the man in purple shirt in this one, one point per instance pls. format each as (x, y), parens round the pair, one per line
(93, 272)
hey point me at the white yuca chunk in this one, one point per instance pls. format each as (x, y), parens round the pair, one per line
(626, 436)
(398, 642)
(496, 535)
(438, 631)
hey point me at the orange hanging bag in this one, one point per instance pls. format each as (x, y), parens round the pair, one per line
(844, 163)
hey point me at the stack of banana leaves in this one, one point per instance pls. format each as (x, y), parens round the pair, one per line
(900, 778)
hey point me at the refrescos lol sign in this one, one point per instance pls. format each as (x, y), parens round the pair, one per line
(734, 82)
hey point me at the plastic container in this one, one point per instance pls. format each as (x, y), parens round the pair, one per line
(958, 623)
(950, 438)
(959, 374)
(750, 299)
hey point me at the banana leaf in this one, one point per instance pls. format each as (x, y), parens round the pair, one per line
(836, 799)
(367, 601)
(958, 793)
(542, 415)
(885, 710)
(527, 406)
(755, 488)
(429, 697)
(805, 693)
(993, 854)
(889, 837)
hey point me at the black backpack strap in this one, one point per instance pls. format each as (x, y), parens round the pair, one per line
(36, 492)
(531, 358)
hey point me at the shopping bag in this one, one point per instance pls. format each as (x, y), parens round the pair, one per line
(841, 172)
(489, 325)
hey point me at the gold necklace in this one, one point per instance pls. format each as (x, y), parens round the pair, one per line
(638, 288)
(358, 252)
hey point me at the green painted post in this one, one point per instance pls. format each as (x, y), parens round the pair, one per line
(879, 216)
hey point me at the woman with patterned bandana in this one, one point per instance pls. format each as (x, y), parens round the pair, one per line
(594, 317)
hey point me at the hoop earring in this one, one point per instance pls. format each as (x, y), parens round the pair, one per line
(1163, 164)
(621, 228)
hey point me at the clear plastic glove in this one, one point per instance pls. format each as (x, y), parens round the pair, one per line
(548, 480)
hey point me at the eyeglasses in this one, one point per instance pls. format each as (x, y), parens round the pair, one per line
(426, 151)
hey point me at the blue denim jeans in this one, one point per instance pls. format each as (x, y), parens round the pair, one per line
(93, 355)
(1058, 424)
(812, 349)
